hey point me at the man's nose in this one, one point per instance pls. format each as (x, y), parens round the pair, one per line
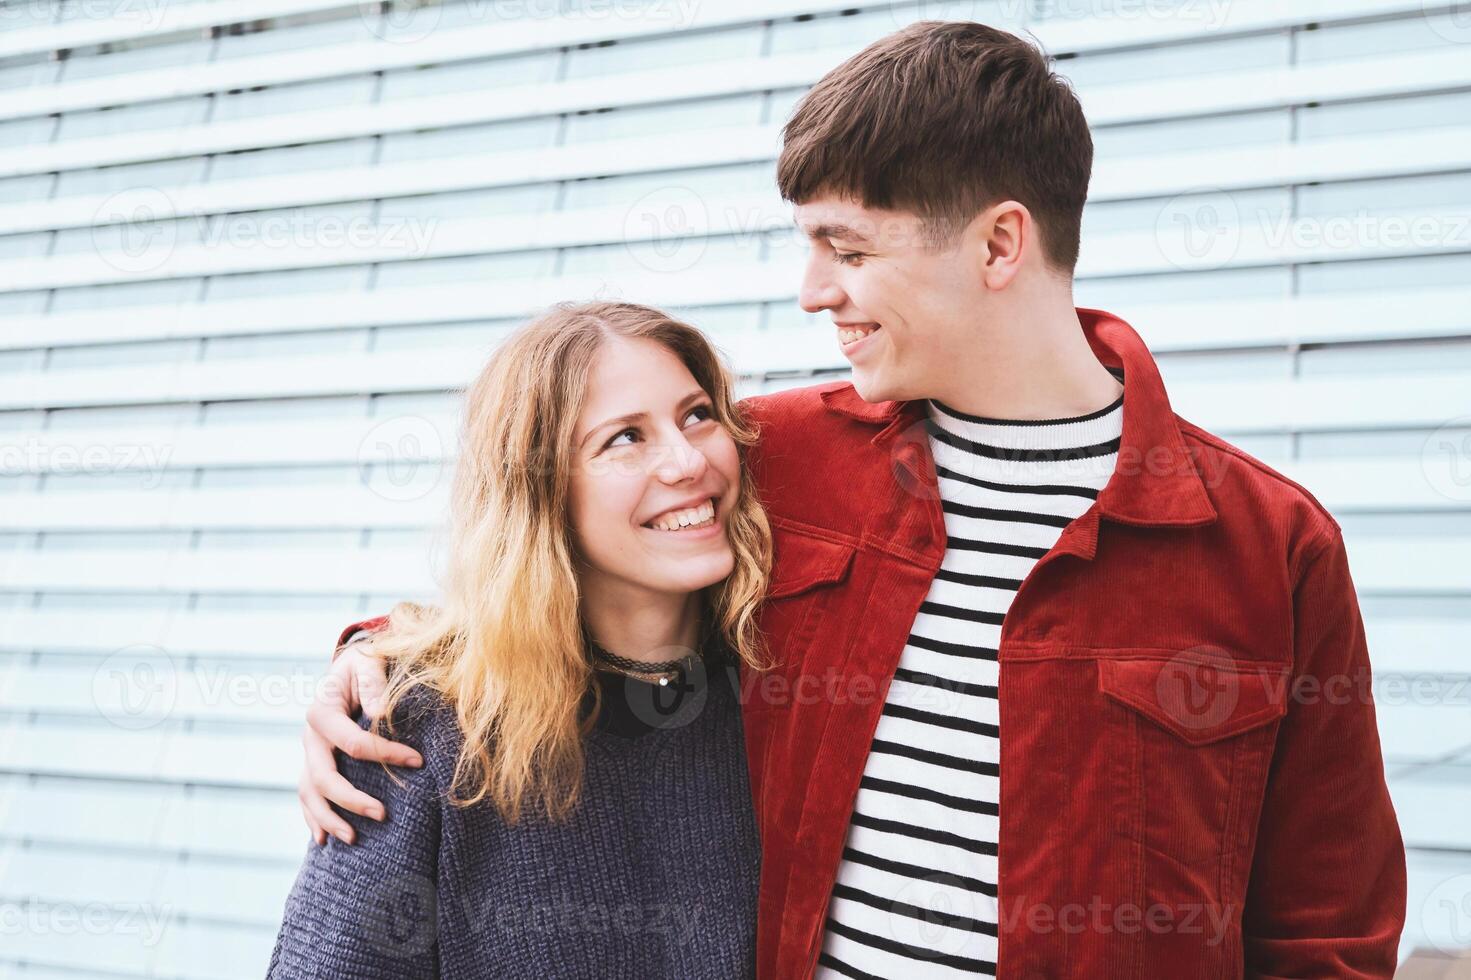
(818, 291)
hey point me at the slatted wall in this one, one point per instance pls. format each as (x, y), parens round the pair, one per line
(248, 248)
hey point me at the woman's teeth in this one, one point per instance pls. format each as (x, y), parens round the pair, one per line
(849, 336)
(678, 520)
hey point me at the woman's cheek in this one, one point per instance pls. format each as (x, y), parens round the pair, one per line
(722, 453)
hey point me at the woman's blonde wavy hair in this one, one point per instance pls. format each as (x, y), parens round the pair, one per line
(505, 649)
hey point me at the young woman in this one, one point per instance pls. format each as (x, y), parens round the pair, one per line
(584, 808)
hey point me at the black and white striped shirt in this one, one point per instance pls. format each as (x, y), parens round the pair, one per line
(915, 894)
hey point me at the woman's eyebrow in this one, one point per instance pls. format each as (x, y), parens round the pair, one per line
(637, 416)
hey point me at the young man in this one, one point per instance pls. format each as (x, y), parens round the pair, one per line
(1067, 687)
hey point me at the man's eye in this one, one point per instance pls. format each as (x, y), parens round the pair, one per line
(847, 258)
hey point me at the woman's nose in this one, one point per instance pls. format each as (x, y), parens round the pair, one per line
(679, 460)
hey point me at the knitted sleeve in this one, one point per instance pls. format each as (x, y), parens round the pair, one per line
(368, 910)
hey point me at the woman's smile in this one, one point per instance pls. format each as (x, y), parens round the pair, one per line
(698, 523)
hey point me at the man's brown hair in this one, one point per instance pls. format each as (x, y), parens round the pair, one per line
(944, 119)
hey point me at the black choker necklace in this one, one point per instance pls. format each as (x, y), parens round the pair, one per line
(663, 670)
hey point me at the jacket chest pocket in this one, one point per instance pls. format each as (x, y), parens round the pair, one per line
(1193, 734)
(807, 567)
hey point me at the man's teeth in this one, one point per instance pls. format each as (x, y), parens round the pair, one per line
(674, 520)
(848, 336)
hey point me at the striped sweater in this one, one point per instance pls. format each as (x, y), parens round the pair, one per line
(915, 894)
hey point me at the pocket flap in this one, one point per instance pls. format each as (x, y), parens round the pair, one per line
(1200, 697)
(801, 560)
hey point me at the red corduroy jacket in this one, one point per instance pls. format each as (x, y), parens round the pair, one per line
(1191, 778)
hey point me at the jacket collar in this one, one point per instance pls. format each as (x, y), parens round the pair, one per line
(1155, 482)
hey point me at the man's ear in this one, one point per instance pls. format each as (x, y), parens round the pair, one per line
(1008, 231)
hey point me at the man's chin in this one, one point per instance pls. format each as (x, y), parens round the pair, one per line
(872, 389)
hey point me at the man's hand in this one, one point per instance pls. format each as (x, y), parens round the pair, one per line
(356, 679)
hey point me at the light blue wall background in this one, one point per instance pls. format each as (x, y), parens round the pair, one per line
(248, 248)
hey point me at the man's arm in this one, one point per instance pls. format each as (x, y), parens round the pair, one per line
(1327, 892)
(355, 681)
(370, 911)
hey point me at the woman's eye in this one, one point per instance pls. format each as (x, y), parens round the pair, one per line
(703, 411)
(614, 441)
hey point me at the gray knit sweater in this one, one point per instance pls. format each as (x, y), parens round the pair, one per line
(654, 876)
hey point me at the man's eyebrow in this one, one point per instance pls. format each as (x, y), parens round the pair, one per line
(637, 416)
(836, 230)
